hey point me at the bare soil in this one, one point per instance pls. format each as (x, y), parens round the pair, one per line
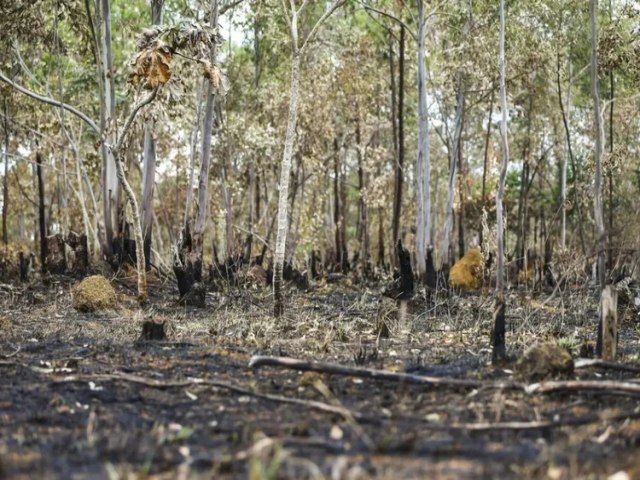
(82, 398)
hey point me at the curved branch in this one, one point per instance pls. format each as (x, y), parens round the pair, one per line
(229, 6)
(51, 101)
(321, 20)
(127, 124)
(390, 16)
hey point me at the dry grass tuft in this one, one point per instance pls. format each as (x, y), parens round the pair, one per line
(92, 294)
(466, 273)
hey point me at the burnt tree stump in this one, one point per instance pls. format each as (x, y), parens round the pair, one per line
(78, 243)
(56, 258)
(25, 265)
(187, 266)
(402, 287)
(152, 330)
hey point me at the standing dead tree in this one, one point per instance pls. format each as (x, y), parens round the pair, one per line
(298, 48)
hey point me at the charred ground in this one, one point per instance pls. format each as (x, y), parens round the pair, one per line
(81, 397)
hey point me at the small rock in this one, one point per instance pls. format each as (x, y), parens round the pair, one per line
(92, 294)
(543, 361)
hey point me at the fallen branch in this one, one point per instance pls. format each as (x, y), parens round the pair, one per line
(597, 363)
(601, 386)
(540, 425)
(149, 382)
(322, 367)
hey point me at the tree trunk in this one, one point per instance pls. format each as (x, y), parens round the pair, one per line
(194, 154)
(566, 117)
(399, 174)
(423, 161)
(486, 161)
(42, 222)
(499, 328)
(597, 183)
(149, 161)
(188, 256)
(283, 191)
(453, 161)
(5, 179)
(522, 197)
(230, 244)
(110, 186)
(363, 214)
(462, 183)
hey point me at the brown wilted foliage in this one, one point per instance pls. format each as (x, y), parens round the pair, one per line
(152, 68)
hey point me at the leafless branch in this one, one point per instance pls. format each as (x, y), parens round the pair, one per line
(51, 101)
(321, 20)
(132, 115)
(330, 368)
(225, 8)
(153, 383)
(390, 16)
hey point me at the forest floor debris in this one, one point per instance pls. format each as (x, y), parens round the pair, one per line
(81, 398)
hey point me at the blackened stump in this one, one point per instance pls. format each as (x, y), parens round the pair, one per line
(187, 266)
(152, 330)
(499, 330)
(402, 287)
(56, 259)
(78, 243)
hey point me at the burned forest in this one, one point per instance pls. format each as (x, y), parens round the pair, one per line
(319, 239)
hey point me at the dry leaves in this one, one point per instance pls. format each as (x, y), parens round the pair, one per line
(152, 68)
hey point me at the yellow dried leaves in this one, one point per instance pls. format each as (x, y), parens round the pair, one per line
(152, 68)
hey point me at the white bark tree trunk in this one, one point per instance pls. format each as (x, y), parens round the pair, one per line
(110, 186)
(599, 132)
(499, 329)
(604, 327)
(283, 188)
(285, 171)
(149, 157)
(423, 163)
(563, 172)
(453, 162)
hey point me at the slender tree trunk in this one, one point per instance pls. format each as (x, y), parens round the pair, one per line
(283, 192)
(194, 154)
(230, 241)
(394, 106)
(486, 161)
(5, 179)
(188, 258)
(42, 222)
(423, 161)
(453, 161)
(499, 328)
(336, 203)
(363, 214)
(137, 228)
(149, 161)
(524, 190)
(566, 117)
(285, 171)
(399, 174)
(597, 181)
(611, 170)
(110, 186)
(462, 183)
(563, 170)
(599, 137)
